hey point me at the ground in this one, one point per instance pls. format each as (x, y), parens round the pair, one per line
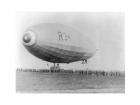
(42, 82)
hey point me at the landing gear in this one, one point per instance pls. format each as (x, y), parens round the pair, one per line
(84, 61)
(55, 68)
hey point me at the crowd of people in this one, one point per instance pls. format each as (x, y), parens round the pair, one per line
(81, 72)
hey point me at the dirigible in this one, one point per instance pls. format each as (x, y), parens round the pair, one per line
(57, 43)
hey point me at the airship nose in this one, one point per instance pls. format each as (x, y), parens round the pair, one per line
(29, 38)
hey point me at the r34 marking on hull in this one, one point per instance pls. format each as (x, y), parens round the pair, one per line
(63, 36)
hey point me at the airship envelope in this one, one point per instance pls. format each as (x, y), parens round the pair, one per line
(57, 43)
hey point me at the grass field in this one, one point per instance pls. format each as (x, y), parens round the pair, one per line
(67, 82)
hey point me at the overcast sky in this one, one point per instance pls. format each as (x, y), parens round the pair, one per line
(106, 30)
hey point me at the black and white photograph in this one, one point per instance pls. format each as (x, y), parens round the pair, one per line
(70, 52)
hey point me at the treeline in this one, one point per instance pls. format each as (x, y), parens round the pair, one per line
(81, 72)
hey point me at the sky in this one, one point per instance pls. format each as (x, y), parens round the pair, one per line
(105, 29)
